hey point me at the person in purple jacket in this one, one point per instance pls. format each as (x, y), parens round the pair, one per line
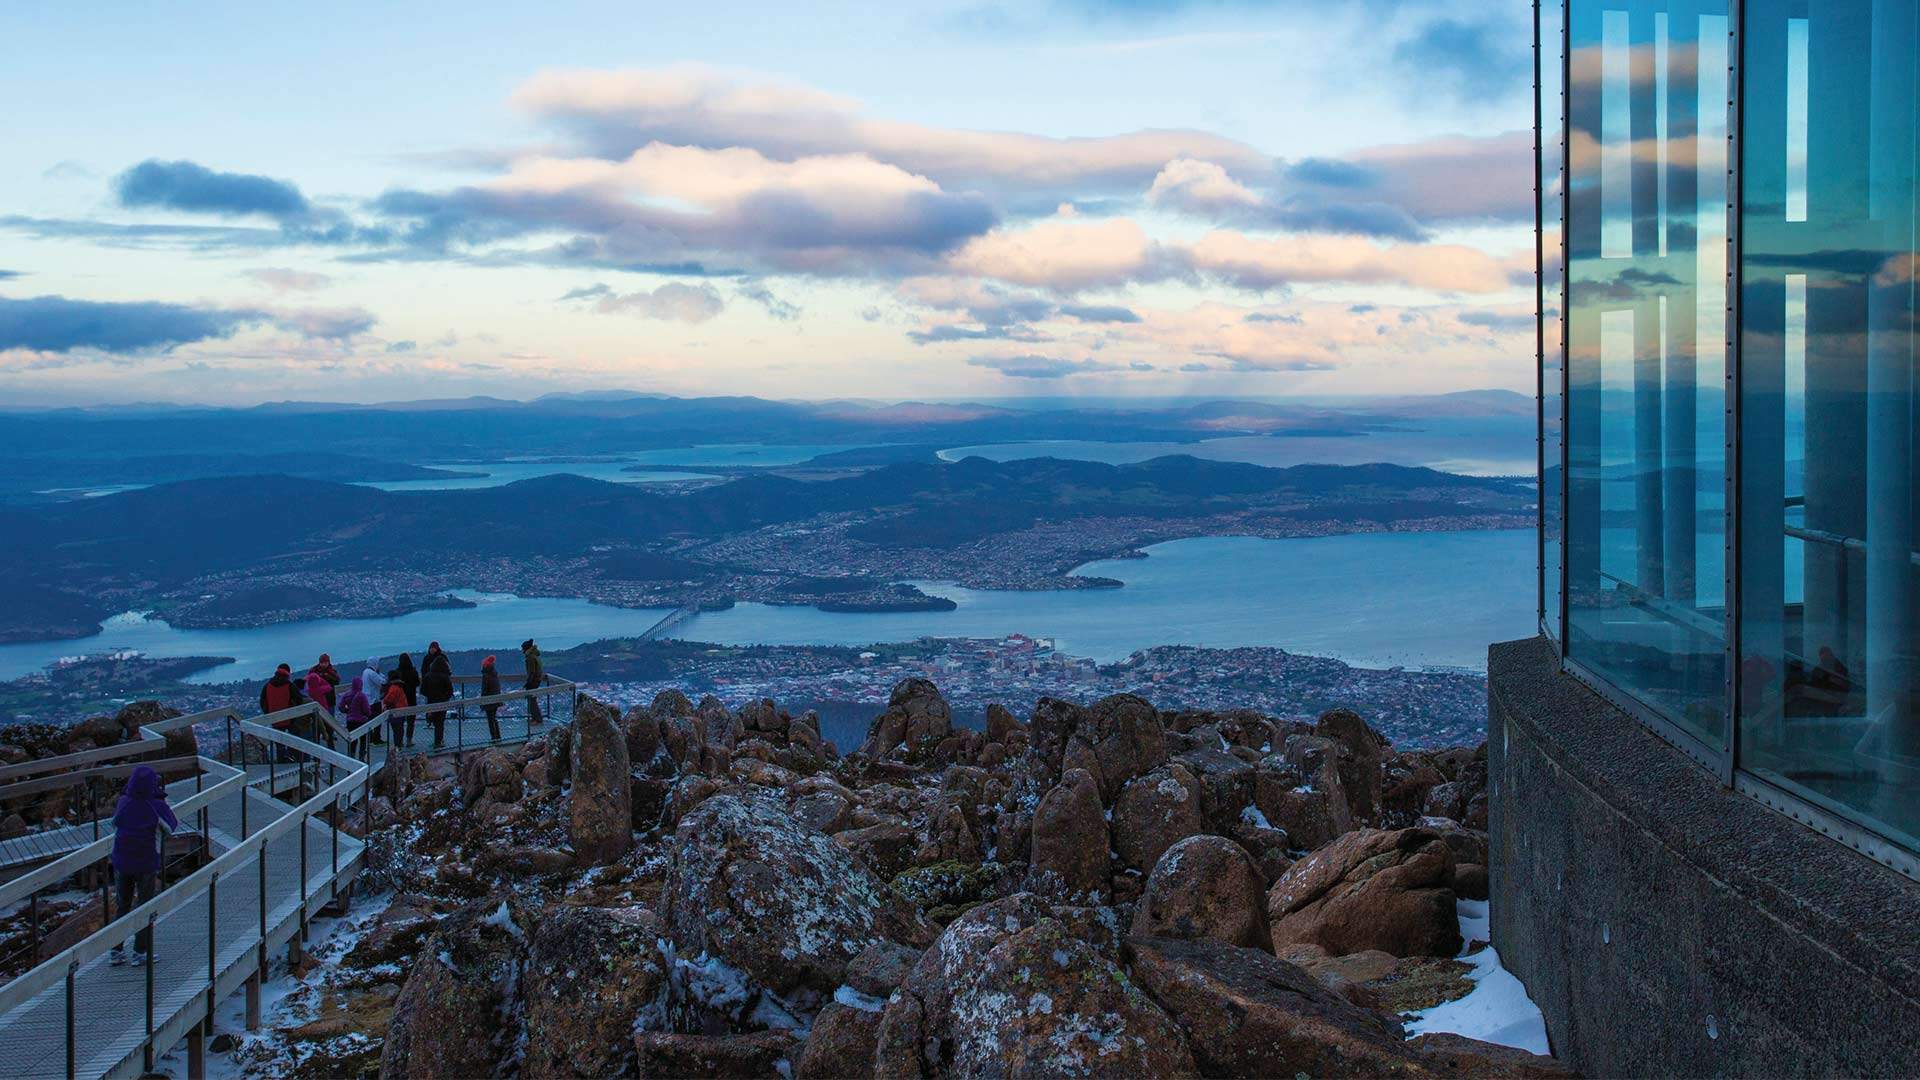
(140, 819)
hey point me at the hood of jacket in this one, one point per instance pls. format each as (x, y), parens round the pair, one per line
(144, 783)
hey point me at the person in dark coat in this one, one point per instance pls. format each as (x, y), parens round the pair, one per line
(536, 675)
(489, 686)
(436, 685)
(405, 674)
(140, 818)
(280, 692)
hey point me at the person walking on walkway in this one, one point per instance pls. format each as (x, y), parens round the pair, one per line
(536, 674)
(140, 818)
(409, 680)
(489, 686)
(436, 685)
(326, 669)
(354, 709)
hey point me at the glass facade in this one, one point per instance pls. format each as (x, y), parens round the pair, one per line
(1739, 565)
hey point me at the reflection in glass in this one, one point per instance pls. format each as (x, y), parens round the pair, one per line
(1647, 353)
(1830, 578)
(1552, 294)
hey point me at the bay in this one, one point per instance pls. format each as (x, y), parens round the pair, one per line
(1371, 599)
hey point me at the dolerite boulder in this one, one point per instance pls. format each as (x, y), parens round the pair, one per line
(916, 721)
(447, 1021)
(1371, 889)
(784, 905)
(1358, 762)
(723, 1057)
(1070, 840)
(1457, 1055)
(601, 823)
(1019, 988)
(1248, 1013)
(1121, 738)
(1205, 886)
(841, 1043)
(493, 775)
(1309, 803)
(1155, 812)
(593, 976)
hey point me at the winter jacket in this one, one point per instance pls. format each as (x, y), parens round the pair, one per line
(320, 690)
(327, 672)
(535, 672)
(280, 692)
(354, 707)
(489, 681)
(436, 677)
(138, 818)
(396, 697)
(372, 684)
(409, 680)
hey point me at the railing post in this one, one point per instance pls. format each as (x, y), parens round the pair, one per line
(147, 1050)
(245, 786)
(260, 859)
(303, 870)
(213, 946)
(73, 966)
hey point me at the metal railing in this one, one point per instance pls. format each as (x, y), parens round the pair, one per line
(43, 1012)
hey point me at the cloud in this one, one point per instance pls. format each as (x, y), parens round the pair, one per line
(1065, 254)
(284, 280)
(1099, 313)
(1030, 366)
(192, 188)
(758, 293)
(332, 324)
(9, 275)
(1501, 322)
(1255, 263)
(1477, 61)
(662, 203)
(1455, 177)
(615, 113)
(674, 300)
(1205, 190)
(56, 324)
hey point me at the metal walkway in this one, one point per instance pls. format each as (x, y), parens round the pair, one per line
(274, 864)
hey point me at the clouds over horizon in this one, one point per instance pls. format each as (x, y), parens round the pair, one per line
(58, 324)
(1034, 257)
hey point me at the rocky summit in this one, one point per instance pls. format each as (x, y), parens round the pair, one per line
(1100, 889)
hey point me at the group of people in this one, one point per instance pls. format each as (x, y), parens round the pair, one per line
(371, 693)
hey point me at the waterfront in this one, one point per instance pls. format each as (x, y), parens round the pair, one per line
(1370, 599)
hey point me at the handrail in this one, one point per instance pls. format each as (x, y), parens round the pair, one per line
(149, 738)
(81, 857)
(21, 788)
(54, 968)
(424, 708)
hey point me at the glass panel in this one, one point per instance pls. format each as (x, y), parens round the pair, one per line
(1646, 328)
(1830, 582)
(1552, 15)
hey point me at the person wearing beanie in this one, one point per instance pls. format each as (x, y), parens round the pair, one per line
(280, 692)
(489, 686)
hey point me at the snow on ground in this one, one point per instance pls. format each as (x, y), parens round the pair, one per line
(1498, 1009)
(285, 1001)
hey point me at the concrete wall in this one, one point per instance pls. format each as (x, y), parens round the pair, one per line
(1667, 926)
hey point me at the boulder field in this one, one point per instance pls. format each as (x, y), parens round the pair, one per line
(1098, 890)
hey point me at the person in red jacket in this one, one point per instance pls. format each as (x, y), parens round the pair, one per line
(280, 692)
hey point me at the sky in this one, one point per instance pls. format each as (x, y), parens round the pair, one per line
(242, 202)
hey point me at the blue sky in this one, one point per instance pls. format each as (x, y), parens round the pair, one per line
(247, 202)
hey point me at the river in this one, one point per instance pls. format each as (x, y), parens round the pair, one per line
(1371, 599)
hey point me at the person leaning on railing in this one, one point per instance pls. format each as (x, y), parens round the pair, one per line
(140, 817)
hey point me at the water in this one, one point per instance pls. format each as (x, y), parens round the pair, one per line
(1374, 600)
(1500, 446)
(498, 621)
(666, 465)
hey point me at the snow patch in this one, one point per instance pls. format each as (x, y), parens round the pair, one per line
(503, 919)
(1252, 816)
(854, 999)
(1497, 1009)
